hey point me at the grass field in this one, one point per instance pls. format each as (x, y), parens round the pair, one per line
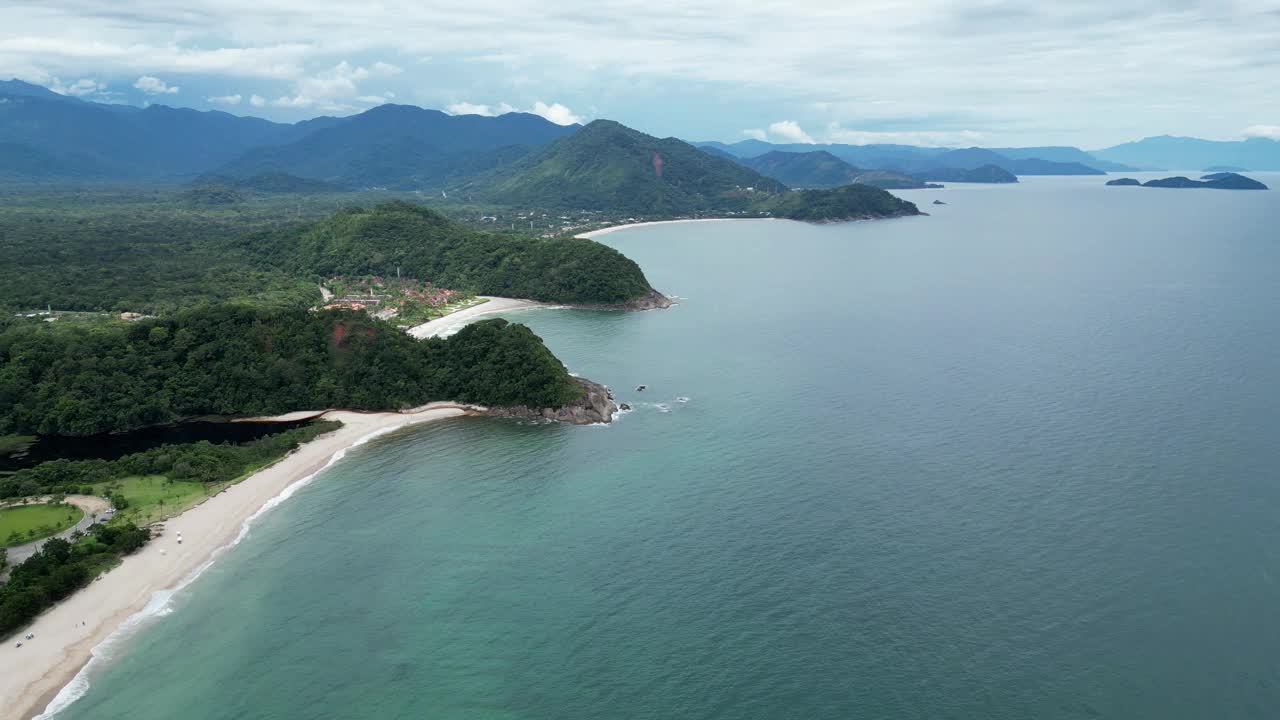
(153, 497)
(26, 523)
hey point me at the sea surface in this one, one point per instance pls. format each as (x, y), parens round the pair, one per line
(1018, 459)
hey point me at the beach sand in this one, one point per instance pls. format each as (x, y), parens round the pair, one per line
(453, 322)
(31, 677)
(615, 228)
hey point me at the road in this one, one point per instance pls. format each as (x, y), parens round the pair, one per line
(88, 503)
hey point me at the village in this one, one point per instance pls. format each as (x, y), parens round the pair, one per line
(401, 300)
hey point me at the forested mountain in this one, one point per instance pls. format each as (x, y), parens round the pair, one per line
(426, 245)
(880, 156)
(402, 146)
(921, 160)
(89, 139)
(811, 169)
(1167, 152)
(984, 174)
(821, 169)
(849, 202)
(388, 145)
(975, 157)
(608, 166)
(1062, 154)
(234, 360)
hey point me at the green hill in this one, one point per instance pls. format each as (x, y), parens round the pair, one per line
(428, 246)
(811, 169)
(608, 166)
(850, 202)
(76, 379)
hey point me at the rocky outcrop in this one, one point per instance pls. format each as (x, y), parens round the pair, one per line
(1123, 182)
(653, 300)
(595, 406)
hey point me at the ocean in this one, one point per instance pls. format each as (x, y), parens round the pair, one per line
(1017, 459)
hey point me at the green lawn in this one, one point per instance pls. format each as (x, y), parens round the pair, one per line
(153, 497)
(25, 523)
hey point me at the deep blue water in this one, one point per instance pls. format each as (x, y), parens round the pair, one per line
(1017, 459)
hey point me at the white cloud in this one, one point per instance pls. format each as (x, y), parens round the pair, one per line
(79, 88)
(466, 108)
(257, 101)
(835, 133)
(1262, 131)
(154, 86)
(628, 56)
(372, 99)
(556, 113)
(789, 131)
(332, 89)
(755, 134)
(225, 99)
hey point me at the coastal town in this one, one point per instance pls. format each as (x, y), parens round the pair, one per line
(400, 300)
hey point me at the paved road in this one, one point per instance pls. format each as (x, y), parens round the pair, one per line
(88, 503)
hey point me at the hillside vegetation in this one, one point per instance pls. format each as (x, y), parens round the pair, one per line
(608, 166)
(424, 244)
(234, 360)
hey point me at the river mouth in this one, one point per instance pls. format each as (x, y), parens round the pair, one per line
(112, 446)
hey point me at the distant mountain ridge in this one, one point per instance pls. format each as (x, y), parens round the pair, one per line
(1168, 152)
(402, 146)
(920, 160)
(91, 139)
(819, 169)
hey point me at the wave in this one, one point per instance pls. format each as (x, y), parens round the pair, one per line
(160, 603)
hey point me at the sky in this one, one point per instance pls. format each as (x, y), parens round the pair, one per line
(1090, 73)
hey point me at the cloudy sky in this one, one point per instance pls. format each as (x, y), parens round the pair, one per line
(953, 72)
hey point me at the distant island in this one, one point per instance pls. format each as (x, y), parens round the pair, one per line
(1213, 181)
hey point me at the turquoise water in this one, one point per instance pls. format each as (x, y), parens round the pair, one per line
(1014, 460)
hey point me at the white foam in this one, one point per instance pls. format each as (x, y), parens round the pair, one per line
(160, 604)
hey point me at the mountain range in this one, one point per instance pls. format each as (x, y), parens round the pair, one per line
(1167, 152)
(921, 161)
(45, 136)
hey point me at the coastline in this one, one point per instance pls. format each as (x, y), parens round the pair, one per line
(48, 672)
(614, 228)
(453, 322)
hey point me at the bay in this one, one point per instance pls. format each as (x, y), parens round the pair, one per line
(1015, 459)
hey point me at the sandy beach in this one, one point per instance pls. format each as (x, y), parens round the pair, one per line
(453, 322)
(39, 673)
(615, 228)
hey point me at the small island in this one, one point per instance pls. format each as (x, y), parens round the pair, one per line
(1214, 181)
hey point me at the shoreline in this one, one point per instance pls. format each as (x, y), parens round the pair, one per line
(453, 322)
(614, 228)
(48, 672)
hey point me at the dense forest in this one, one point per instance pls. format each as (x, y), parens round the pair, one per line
(156, 251)
(849, 202)
(424, 244)
(228, 359)
(203, 462)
